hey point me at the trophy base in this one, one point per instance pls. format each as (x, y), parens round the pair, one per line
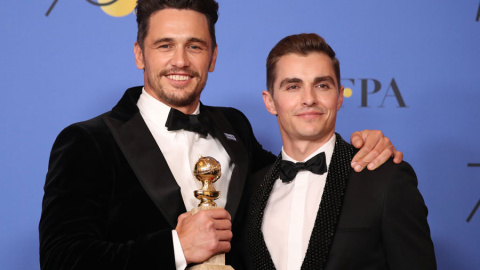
(210, 267)
(216, 262)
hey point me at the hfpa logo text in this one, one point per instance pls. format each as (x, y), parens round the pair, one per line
(374, 92)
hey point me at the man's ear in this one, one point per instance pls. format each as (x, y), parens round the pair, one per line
(340, 98)
(269, 104)
(139, 60)
(211, 67)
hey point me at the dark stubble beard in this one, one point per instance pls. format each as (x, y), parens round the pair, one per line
(171, 98)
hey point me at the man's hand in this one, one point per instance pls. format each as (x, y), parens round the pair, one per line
(375, 150)
(204, 234)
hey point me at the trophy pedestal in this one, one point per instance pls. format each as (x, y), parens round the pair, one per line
(216, 262)
(205, 266)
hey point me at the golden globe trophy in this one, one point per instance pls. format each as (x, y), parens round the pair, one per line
(208, 170)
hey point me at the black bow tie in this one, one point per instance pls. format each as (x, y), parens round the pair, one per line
(288, 169)
(198, 123)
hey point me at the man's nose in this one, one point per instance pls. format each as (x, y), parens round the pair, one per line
(309, 97)
(180, 58)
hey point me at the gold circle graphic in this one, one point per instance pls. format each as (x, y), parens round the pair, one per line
(118, 9)
(347, 92)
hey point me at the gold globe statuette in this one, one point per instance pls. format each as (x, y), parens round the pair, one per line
(207, 170)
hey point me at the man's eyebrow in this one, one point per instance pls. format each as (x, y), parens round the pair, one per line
(203, 42)
(168, 39)
(161, 40)
(323, 79)
(290, 80)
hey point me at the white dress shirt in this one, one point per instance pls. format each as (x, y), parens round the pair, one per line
(181, 150)
(291, 211)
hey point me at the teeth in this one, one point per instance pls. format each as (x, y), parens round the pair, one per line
(178, 77)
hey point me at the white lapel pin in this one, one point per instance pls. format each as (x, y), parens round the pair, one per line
(230, 137)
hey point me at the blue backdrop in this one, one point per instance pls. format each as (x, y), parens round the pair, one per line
(411, 67)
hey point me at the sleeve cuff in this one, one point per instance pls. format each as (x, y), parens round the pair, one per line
(180, 261)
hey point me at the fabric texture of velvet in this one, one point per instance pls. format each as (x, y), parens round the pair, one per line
(110, 199)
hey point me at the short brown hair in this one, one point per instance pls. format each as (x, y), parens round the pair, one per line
(146, 8)
(301, 44)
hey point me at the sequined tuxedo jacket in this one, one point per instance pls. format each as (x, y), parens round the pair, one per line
(369, 220)
(111, 200)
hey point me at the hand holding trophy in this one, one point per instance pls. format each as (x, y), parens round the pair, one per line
(208, 170)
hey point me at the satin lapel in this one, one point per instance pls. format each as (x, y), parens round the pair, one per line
(145, 158)
(259, 250)
(330, 206)
(224, 132)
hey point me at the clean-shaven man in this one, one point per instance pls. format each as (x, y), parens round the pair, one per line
(311, 210)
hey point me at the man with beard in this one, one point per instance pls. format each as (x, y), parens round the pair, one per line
(119, 185)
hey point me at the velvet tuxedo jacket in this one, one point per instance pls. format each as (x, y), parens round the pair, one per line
(111, 200)
(369, 220)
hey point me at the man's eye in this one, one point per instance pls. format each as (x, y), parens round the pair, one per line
(194, 47)
(323, 86)
(292, 87)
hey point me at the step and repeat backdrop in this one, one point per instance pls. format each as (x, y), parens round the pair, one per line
(410, 68)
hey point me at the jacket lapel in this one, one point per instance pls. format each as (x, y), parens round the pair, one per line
(330, 206)
(259, 250)
(224, 132)
(144, 156)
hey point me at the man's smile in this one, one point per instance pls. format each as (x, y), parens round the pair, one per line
(179, 77)
(311, 114)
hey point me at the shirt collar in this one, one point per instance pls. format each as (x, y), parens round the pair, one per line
(155, 110)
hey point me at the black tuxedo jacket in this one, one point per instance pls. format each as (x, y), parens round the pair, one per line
(111, 200)
(368, 220)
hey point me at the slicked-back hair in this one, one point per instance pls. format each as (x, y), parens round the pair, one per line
(146, 8)
(301, 44)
